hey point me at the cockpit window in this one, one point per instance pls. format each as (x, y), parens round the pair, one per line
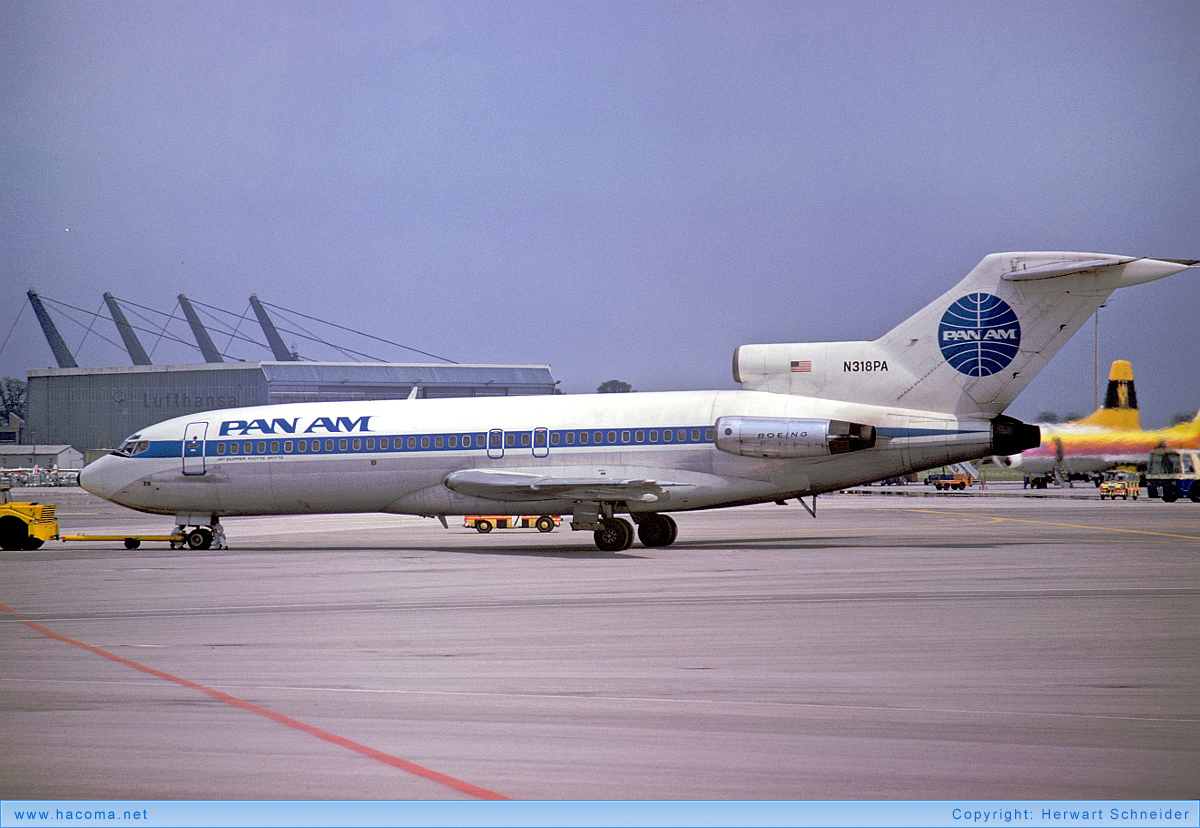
(132, 446)
(127, 448)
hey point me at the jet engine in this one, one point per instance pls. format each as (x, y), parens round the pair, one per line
(785, 437)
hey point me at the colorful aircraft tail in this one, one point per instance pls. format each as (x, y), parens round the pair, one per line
(971, 351)
(1120, 409)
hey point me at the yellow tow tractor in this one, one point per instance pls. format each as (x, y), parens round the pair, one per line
(25, 525)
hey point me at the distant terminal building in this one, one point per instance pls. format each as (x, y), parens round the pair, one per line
(91, 408)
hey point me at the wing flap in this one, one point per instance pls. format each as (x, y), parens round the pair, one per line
(511, 485)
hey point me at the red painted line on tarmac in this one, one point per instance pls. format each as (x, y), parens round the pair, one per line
(396, 762)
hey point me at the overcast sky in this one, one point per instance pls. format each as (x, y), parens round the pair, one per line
(619, 190)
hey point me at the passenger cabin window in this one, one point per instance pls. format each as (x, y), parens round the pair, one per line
(220, 448)
(357, 444)
(329, 445)
(424, 442)
(303, 446)
(287, 446)
(437, 441)
(639, 437)
(274, 447)
(412, 442)
(370, 444)
(624, 436)
(612, 437)
(525, 439)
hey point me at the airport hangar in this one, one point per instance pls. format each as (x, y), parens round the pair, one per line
(94, 409)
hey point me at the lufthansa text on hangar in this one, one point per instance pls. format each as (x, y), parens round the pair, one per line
(93, 408)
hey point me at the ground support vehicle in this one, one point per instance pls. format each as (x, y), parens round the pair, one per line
(1174, 473)
(25, 525)
(486, 523)
(1120, 483)
(949, 481)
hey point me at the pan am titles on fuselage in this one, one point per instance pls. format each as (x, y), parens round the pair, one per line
(810, 418)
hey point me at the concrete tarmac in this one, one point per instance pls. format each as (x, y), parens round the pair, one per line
(945, 646)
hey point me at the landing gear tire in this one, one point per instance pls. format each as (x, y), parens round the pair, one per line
(544, 524)
(657, 530)
(134, 543)
(614, 535)
(199, 538)
(483, 526)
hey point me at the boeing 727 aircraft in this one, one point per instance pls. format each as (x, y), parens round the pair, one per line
(810, 418)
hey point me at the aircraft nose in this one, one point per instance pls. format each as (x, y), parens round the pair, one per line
(97, 477)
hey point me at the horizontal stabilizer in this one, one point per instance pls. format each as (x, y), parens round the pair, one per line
(1055, 269)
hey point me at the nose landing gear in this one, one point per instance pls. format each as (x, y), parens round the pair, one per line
(200, 537)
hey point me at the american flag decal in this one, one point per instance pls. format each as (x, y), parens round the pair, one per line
(801, 366)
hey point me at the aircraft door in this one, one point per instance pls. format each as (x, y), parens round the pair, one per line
(495, 446)
(541, 442)
(193, 448)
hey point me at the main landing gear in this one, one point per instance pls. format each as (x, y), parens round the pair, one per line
(616, 534)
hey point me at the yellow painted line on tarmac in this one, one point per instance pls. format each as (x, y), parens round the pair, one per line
(994, 519)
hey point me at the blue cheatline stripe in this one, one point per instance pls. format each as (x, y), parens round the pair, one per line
(555, 439)
(925, 432)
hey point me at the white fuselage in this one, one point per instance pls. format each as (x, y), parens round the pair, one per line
(394, 455)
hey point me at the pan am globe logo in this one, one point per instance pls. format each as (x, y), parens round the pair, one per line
(979, 334)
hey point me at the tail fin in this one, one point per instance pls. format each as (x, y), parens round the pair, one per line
(1120, 408)
(972, 350)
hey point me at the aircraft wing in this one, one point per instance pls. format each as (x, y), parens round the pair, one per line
(513, 485)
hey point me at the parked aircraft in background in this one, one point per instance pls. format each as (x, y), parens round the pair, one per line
(1081, 449)
(1111, 436)
(1069, 451)
(810, 418)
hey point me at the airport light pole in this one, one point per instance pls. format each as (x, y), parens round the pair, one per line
(1098, 355)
